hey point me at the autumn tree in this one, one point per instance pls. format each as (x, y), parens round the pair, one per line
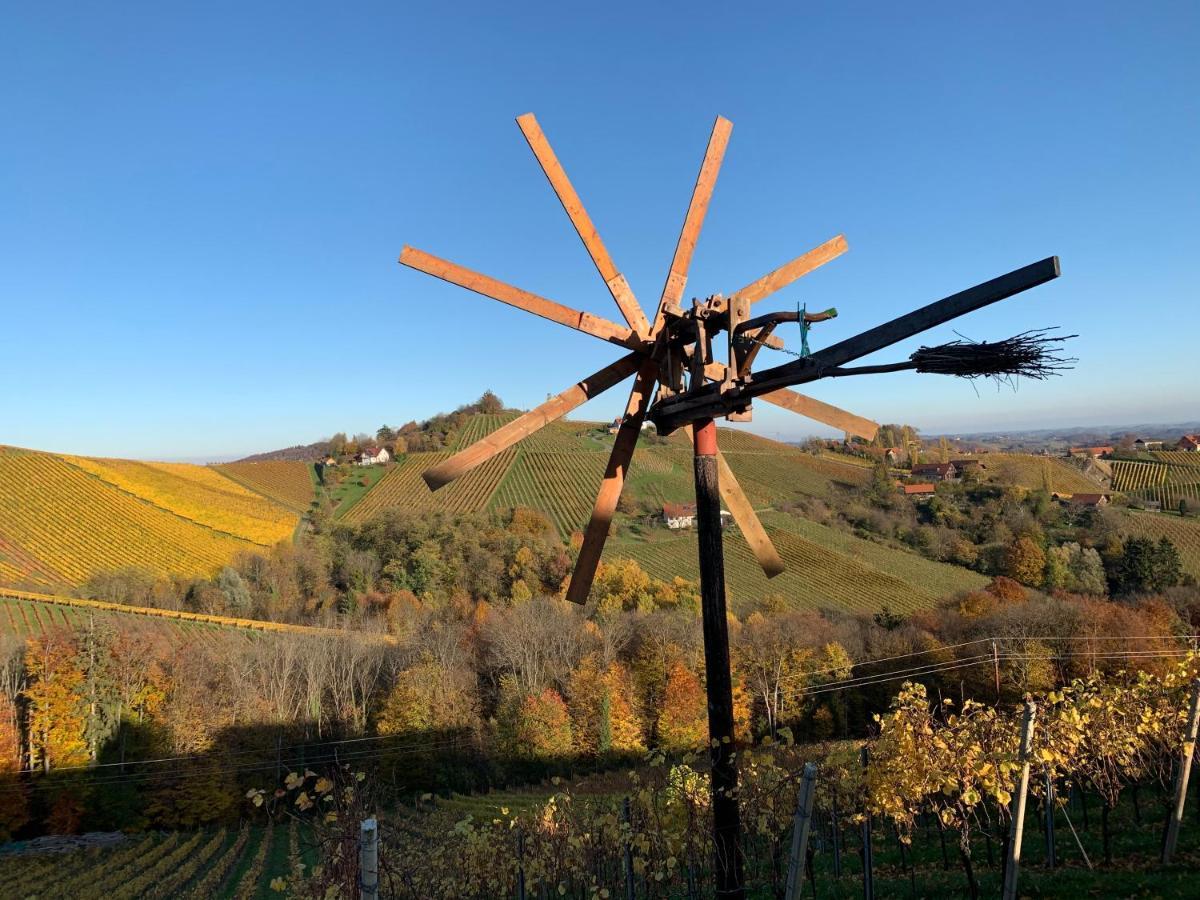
(683, 718)
(1025, 561)
(56, 708)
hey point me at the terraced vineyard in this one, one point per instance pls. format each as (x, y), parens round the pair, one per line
(72, 524)
(198, 493)
(561, 485)
(1176, 457)
(284, 481)
(224, 862)
(1136, 476)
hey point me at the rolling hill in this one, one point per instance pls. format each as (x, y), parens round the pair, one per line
(66, 518)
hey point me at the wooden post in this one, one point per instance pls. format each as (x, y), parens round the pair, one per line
(718, 681)
(1051, 855)
(837, 838)
(520, 864)
(1182, 775)
(1013, 861)
(801, 825)
(368, 860)
(868, 857)
(627, 819)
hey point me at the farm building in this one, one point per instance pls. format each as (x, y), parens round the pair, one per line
(1143, 444)
(683, 515)
(370, 456)
(919, 490)
(1087, 500)
(1091, 452)
(1190, 443)
(963, 466)
(936, 471)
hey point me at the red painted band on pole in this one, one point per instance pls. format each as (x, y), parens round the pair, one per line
(705, 437)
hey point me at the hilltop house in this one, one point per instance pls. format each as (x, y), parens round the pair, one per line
(936, 471)
(1143, 444)
(370, 456)
(1190, 443)
(683, 515)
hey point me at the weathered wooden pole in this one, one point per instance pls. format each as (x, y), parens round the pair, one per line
(801, 825)
(727, 849)
(1013, 862)
(368, 860)
(1182, 775)
(868, 853)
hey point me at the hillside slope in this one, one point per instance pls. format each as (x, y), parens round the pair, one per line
(64, 519)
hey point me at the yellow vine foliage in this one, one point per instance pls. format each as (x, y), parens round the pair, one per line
(199, 493)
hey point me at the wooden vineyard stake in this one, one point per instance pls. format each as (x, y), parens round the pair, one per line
(683, 381)
(1017, 832)
(1182, 774)
(368, 860)
(1051, 855)
(868, 856)
(800, 828)
(627, 850)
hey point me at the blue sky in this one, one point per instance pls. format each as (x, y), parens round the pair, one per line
(201, 205)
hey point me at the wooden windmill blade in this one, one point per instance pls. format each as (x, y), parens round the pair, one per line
(639, 398)
(514, 296)
(531, 422)
(557, 176)
(796, 268)
(615, 473)
(825, 413)
(710, 167)
(810, 408)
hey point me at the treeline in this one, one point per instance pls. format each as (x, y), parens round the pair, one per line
(434, 433)
(1004, 530)
(487, 678)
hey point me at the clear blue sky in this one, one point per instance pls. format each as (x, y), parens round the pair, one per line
(201, 205)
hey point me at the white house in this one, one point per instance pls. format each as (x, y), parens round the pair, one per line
(371, 456)
(1143, 444)
(683, 515)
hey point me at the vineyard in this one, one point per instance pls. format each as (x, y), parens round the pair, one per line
(1136, 476)
(402, 488)
(825, 569)
(1034, 472)
(226, 863)
(198, 493)
(1184, 533)
(1174, 476)
(284, 481)
(72, 524)
(937, 781)
(24, 614)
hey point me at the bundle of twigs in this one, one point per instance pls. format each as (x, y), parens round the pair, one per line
(1033, 354)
